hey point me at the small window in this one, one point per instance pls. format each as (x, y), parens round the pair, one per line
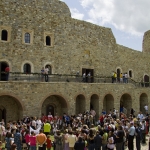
(27, 38)
(4, 35)
(27, 68)
(49, 68)
(130, 73)
(48, 40)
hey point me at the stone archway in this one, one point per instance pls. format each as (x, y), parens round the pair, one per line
(58, 103)
(126, 103)
(143, 102)
(80, 104)
(94, 104)
(10, 108)
(108, 103)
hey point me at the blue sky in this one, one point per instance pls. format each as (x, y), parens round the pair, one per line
(128, 19)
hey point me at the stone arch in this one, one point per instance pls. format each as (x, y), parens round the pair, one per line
(57, 101)
(94, 104)
(27, 62)
(80, 104)
(12, 105)
(108, 103)
(143, 102)
(130, 73)
(118, 71)
(51, 66)
(126, 103)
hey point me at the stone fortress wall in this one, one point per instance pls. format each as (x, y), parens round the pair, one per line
(74, 45)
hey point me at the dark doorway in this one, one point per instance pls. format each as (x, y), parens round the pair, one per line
(3, 65)
(86, 71)
(27, 68)
(91, 106)
(50, 108)
(3, 114)
(146, 80)
(118, 75)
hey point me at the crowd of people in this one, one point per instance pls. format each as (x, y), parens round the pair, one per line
(121, 78)
(84, 131)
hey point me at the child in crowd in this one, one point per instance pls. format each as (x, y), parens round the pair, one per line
(48, 142)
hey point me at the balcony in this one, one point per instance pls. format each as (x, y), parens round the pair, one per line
(38, 77)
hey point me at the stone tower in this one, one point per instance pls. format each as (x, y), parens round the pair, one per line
(146, 42)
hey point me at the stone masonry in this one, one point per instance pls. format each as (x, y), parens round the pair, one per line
(75, 45)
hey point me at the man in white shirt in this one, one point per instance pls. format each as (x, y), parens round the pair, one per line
(146, 108)
(140, 116)
(46, 70)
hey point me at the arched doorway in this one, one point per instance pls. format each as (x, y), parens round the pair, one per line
(94, 104)
(126, 103)
(143, 102)
(10, 108)
(2, 113)
(54, 104)
(3, 65)
(146, 79)
(118, 75)
(108, 103)
(50, 108)
(80, 104)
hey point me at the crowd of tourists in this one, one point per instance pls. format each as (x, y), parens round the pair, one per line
(84, 131)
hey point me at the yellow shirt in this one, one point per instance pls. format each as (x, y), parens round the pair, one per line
(47, 127)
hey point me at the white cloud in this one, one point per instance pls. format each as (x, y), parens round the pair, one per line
(76, 14)
(131, 16)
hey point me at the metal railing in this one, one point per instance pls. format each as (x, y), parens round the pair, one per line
(38, 77)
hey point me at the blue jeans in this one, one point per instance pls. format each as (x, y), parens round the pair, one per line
(33, 147)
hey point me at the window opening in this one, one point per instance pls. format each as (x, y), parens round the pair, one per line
(27, 38)
(48, 40)
(4, 35)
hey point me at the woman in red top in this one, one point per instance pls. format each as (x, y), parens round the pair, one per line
(49, 143)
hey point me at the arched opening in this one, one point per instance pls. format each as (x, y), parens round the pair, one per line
(126, 104)
(10, 108)
(94, 104)
(50, 108)
(27, 68)
(80, 104)
(54, 104)
(49, 68)
(146, 80)
(3, 65)
(48, 40)
(108, 103)
(2, 113)
(27, 37)
(143, 102)
(118, 75)
(4, 35)
(130, 73)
